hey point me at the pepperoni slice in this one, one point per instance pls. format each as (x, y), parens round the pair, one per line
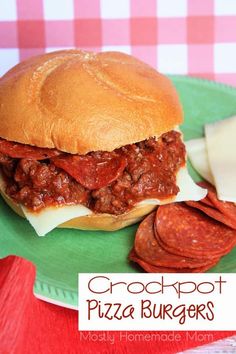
(213, 213)
(91, 171)
(23, 151)
(227, 208)
(187, 232)
(207, 201)
(154, 269)
(149, 249)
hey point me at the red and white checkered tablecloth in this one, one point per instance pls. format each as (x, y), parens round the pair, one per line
(195, 37)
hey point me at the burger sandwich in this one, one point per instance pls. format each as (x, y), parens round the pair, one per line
(90, 141)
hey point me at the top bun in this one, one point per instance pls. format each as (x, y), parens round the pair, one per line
(78, 102)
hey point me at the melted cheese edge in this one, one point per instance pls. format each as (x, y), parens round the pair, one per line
(49, 218)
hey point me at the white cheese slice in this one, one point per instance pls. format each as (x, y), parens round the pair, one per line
(49, 218)
(221, 147)
(197, 153)
(188, 190)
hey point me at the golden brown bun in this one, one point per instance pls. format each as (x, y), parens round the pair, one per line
(79, 102)
(105, 222)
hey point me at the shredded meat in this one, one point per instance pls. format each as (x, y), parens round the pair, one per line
(37, 184)
(149, 171)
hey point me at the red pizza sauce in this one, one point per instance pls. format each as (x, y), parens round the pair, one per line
(106, 182)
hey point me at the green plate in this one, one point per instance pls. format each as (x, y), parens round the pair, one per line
(62, 254)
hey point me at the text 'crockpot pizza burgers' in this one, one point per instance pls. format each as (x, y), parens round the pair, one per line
(90, 141)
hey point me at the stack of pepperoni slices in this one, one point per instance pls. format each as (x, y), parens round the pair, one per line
(187, 237)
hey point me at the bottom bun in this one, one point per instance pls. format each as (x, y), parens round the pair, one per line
(103, 222)
(109, 222)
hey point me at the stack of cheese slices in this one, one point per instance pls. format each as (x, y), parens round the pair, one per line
(214, 157)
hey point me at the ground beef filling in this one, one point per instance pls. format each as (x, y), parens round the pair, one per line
(149, 171)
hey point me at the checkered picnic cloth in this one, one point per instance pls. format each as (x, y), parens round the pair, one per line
(195, 37)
